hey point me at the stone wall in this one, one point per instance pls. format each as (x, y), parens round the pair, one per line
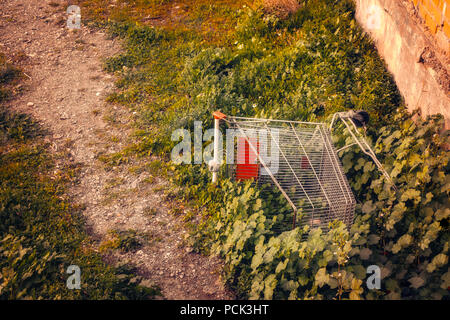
(416, 51)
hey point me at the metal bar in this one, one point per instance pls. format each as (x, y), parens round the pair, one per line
(323, 192)
(332, 156)
(346, 147)
(313, 136)
(290, 167)
(370, 153)
(275, 120)
(333, 119)
(312, 167)
(265, 166)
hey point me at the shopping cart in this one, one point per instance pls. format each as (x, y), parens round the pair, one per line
(294, 164)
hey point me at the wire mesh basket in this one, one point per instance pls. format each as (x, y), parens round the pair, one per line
(295, 167)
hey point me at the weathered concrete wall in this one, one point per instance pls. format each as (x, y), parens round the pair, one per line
(419, 72)
(436, 16)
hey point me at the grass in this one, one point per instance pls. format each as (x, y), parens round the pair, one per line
(281, 8)
(210, 19)
(125, 240)
(150, 211)
(41, 232)
(305, 67)
(9, 76)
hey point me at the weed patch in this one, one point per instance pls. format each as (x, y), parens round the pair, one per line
(306, 67)
(41, 233)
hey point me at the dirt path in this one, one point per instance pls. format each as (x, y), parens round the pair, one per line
(65, 90)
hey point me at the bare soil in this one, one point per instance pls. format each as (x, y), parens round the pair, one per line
(65, 89)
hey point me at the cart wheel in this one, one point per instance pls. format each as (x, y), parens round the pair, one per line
(360, 118)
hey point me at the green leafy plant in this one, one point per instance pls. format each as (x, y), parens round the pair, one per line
(308, 66)
(41, 233)
(126, 240)
(8, 76)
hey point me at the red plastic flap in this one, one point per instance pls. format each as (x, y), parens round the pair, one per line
(246, 167)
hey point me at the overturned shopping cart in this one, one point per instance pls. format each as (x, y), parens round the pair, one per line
(294, 164)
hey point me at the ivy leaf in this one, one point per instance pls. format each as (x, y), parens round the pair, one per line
(373, 239)
(333, 283)
(368, 207)
(257, 205)
(416, 282)
(289, 285)
(365, 253)
(347, 162)
(327, 256)
(396, 215)
(322, 277)
(411, 194)
(430, 235)
(257, 287)
(355, 294)
(403, 241)
(423, 175)
(442, 214)
(281, 266)
(445, 280)
(369, 167)
(428, 198)
(386, 271)
(438, 261)
(360, 163)
(359, 271)
(392, 285)
(303, 280)
(269, 255)
(397, 170)
(414, 161)
(256, 261)
(269, 286)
